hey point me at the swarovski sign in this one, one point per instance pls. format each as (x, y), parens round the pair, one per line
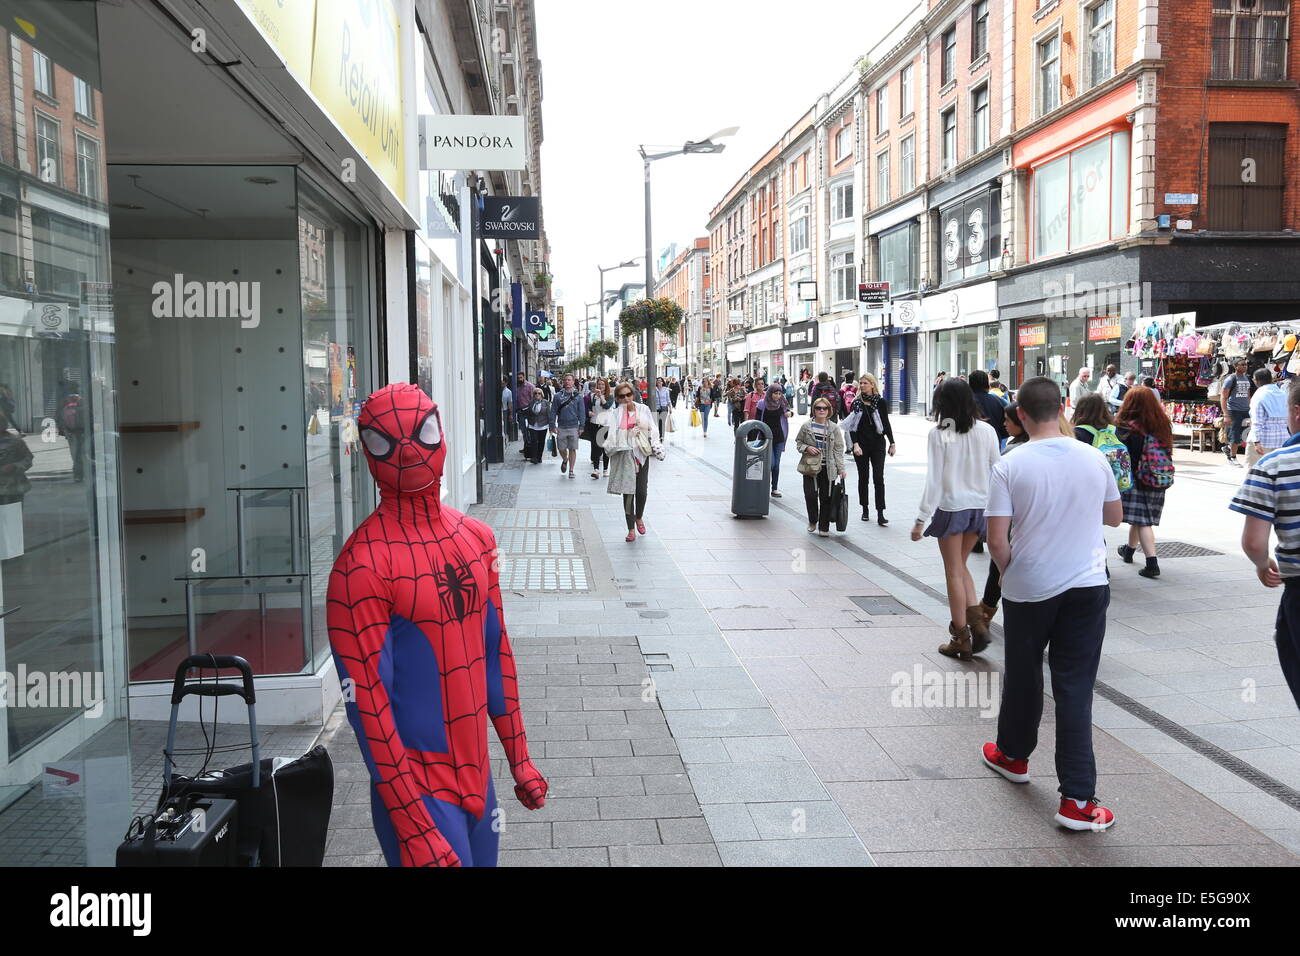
(473, 142)
(511, 217)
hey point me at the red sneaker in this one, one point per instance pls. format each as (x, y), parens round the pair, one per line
(1017, 771)
(1092, 817)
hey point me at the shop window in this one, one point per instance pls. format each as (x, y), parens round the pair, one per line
(1247, 164)
(1081, 198)
(1250, 39)
(900, 258)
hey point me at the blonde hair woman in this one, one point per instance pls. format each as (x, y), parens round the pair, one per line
(629, 435)
(872, 437)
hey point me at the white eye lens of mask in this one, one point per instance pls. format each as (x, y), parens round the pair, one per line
(430, 433)
(377, 443)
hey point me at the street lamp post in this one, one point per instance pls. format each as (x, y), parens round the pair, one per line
(703, 146)
(602, 270)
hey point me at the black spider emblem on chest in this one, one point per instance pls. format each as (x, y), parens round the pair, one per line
(457, 589)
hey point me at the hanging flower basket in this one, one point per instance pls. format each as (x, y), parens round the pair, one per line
(662, 315)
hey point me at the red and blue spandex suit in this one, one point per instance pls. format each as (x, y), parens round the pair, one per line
(415, 622)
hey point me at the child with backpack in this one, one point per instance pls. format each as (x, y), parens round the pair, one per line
(1093, 425)
(1144, 428)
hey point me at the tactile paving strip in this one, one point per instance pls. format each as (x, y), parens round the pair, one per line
(529, 518)
(544, 574)
(535, 542)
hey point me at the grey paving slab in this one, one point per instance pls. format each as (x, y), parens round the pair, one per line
(685, 854)
(755, 782)
(753, 722)
(828, 852)
(584, 856)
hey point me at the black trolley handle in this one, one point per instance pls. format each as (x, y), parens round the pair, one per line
(181, 690)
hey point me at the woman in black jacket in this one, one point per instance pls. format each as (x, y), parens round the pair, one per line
(871, 438)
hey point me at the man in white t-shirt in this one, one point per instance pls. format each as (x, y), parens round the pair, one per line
(1047, 505)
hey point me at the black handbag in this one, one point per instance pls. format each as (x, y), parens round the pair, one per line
(840, 506)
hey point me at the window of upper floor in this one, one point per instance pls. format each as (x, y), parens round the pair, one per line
(1099, 20)
(842, 201)
(1250, 39)
(979, 30)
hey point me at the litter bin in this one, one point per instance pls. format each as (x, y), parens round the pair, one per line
(801, 400)
(751, 475)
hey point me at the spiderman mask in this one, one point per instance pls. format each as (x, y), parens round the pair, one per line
(402, 435)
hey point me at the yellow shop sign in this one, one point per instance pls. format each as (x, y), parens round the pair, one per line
(349, 54)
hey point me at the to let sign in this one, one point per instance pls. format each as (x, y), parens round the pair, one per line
(874, 295)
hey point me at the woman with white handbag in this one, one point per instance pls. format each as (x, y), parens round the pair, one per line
(629, 434)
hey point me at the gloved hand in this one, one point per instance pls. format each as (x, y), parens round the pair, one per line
(530, 786)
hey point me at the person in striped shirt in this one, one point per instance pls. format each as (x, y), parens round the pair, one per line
(1270, 500)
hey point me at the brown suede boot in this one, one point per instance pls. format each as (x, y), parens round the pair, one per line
(989, 612)
(960, 645)
(979, 628)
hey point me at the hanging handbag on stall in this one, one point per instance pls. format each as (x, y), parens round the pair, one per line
(1206, 346)
(1264, 342)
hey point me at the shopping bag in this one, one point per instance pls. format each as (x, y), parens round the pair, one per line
(671, 426)
(840, 507)
(550, 446)
(695, 418)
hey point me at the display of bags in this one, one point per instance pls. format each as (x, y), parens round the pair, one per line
(1264, 342)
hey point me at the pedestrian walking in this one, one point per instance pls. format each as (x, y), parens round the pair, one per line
(674, 390)
(773, 412)
(1268, 499)
(1234, 398)
(873, 437)
(537, 424)
(630, 439)
(990, 406)
(1269, 413)
(715, 393)
(600, 399)
(826, 388)
(821, 448)
(1120, 390)
(1144, 427)
(566, 423)
(961, 450)
(753, 398)
(523, 398)
(1108, 383)
(848, 392)
(988, 605)
(1047, 506)
(704, 402)
(1079, 388)
(661, 402)
(736, 394)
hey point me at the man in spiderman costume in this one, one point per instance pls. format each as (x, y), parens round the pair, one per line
(415, 622)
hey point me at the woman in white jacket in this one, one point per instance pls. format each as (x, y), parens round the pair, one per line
(628, 433)
(961, 453)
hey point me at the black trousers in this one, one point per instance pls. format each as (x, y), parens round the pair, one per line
(871, 468)
(993, 588)
(1287, 636)
(534, 444)
(817, 498)
(1071, 627)
(599, 457)
(634, 505)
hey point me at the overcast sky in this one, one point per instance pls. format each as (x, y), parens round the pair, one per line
(620, 73)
